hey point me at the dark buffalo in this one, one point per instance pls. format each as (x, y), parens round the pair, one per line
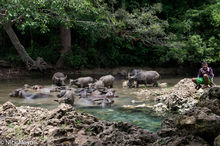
(134, 72)
(59, 79)
(145, 77)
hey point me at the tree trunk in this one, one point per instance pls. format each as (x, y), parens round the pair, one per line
(39, 64)
(17, 44)
(65, 36)
(123, 4)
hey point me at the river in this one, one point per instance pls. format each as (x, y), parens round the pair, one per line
(142, 117)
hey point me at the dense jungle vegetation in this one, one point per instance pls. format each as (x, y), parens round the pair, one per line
(109, 33)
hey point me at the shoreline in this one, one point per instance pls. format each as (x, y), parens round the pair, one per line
(18, 72)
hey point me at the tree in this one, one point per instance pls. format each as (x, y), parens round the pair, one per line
(23, 13)
(39, 14)
(65, 36)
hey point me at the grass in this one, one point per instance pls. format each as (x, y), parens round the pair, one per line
(90, 130)
(78, 122)
(19, 133)
(11, 125)
(28, 123)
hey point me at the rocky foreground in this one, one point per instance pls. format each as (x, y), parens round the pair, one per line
(65, 126)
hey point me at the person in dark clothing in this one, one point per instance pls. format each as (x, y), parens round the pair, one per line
(205, 76)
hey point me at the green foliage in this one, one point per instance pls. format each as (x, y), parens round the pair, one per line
(196, 35)
(109, 33)
(48, 52)
(78, 59)
(143, 25)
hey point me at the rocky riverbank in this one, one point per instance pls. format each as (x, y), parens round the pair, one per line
(200, 125)
(182, 97)
(65, 126)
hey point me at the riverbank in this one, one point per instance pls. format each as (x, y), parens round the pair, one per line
(9, 71)
(65, 126)
(180, 98)
(120, 72)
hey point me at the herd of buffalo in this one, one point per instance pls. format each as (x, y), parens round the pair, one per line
(89, 92)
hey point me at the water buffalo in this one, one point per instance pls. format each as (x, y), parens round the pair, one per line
(97, 85)
(122, 74)
(28, 95)
(107, 80)
(96, 99)
(145, 77)
(66, 96)
(81, 82)
(134, 72)
(59, 79)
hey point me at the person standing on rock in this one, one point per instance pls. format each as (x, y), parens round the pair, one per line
(205, 76)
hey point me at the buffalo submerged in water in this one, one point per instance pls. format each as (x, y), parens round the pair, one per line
(24, 93)
(98, 98)
(95, 95)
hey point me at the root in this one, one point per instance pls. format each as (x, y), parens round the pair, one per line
(39, 64)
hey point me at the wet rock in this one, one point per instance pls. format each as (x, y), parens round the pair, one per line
(188, 120)
(188, 140)
(11, 119)
(200, 120)
(54, 122)
(182, 97)
(36, 131)
(160, 107)
(163, 85)
(57, 132)
(67, 141)
(214, 92)
(217, 141)
(198, 126)
(93, 143)
(213, 105)
(8, 105)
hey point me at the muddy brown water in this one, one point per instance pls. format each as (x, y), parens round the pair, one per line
(143, 117)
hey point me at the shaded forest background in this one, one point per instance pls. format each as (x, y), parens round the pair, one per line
(155, 33)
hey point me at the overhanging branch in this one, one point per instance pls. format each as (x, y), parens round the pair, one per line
(16, 19)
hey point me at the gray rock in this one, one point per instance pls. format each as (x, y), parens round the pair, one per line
(217, 141)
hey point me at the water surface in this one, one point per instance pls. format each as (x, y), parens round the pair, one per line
(143, 117)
